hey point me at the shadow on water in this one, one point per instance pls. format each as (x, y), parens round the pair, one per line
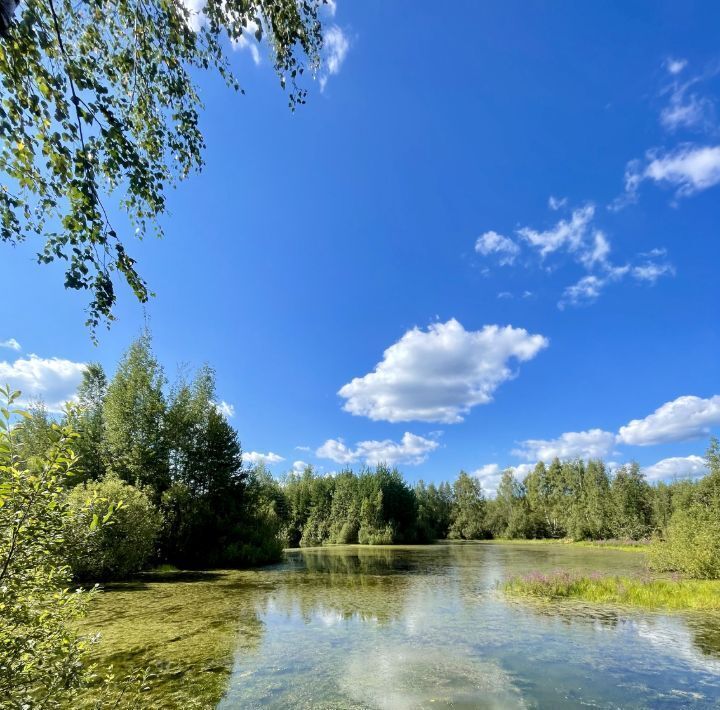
(144, 580)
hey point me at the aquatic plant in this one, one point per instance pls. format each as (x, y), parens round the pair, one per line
(643, 591)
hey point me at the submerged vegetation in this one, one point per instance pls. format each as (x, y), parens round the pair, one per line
(672, 594)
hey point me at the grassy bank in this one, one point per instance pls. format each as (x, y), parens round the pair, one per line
(623, 545)
(671, 594)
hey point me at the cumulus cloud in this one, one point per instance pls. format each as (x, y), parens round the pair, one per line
(684, 418)
(412, 450)
(10, 344)
(53, 380)
(688, 169)
(676, 467)
(226, 409)
(299, 466)
(255, 457)
(591, 444)
(494, 243)
(491, 474)
(336, 46)
(439, 374)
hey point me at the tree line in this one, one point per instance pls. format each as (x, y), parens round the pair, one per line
(166, 465)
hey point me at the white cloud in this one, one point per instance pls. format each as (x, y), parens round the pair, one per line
(412, 449)
(299, 466)
(438, 375)
(675, 66)
(597, 253)
(685, 112)
(197, 17)
(652, 271)
(676, 467)
(255, 457)
(336, 45)
(688, 169)
(331, 7)
(584, 242)
(248, 42)
(11, 344)
(567, 233)
(684, 418)
(226, 409)
(591, 444)
(588, 289)
(687, 108)
(53, 380)
(494, 243)
(491, 474)
(556, 203)
(303, 448)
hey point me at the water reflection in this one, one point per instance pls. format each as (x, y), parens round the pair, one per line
(409, 627)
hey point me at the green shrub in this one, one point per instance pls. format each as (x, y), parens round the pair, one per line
(112, 551)
(368, 535)
(41, 653)
(691, 544)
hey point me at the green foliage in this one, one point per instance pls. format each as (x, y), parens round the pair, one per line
(376, 507)
(87, 418)
(98, 104)
(645, 593)
(40, 654)
(691, 543)
(116, 550)
(631, 498)
(467, 516)
(434, 505)
(34, 433)
(135, 442)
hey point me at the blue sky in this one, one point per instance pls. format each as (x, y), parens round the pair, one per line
(489, 237)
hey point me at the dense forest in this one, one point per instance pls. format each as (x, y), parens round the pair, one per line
(163, 463)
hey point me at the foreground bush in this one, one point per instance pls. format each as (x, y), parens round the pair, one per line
(599, 589)
(116, 550)
(691, 541)
(40, 653)
(691, 545)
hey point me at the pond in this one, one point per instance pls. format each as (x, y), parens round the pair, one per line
(403, 627)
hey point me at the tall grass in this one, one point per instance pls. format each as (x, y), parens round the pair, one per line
(612, 544)
(673, 593)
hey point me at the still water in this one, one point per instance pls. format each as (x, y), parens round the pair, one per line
(404, 627)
